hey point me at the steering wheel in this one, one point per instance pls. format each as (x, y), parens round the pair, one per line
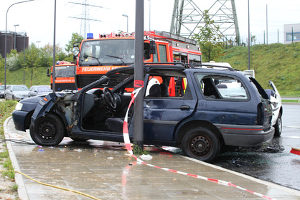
(109, 98)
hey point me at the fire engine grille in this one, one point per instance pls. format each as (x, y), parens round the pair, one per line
(64, 86)
(83, 80)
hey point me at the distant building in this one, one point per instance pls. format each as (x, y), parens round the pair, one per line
(291, 33)
(15, 40)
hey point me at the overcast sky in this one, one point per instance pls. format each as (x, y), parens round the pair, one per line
(36, 17)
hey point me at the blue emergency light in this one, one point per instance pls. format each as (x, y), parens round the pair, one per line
(90, 36)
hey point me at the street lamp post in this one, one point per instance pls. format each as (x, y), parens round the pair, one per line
(124, 15)
(15, 39)
(5, 42)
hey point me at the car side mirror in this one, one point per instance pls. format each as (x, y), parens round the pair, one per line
(32, 93)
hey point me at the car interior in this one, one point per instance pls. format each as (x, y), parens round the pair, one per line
(104, 108)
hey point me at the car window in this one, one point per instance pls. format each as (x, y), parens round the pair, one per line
(43, 89)
(221, 87)
(1, 87)
(19, 88)
(166, 87)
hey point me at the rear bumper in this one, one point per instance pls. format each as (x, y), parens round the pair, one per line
(245, 136)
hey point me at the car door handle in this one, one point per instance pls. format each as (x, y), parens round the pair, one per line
(184, 107)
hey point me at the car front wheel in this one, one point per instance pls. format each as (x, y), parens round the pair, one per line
(48, 130)
(201, 143)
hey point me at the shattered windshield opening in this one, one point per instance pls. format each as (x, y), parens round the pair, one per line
(107, 52)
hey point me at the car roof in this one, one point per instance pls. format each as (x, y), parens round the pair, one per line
(148, 68)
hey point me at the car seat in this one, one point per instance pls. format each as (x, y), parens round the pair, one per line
(164, 90)
(155, 91)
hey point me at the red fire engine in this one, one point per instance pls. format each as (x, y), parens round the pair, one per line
(109, 51)
(64, 76)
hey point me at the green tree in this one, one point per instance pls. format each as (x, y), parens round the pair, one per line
(76, 38)
(209, 39)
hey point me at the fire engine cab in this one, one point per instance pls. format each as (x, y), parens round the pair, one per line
(97, 56)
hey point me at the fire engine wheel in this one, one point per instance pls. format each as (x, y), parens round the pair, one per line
(109, 98)
(47, 131)
(201, 143)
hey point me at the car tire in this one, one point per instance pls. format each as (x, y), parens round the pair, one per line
(47, 130)
(278, 127)
(201, 143)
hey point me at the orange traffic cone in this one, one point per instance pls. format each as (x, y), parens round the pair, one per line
(295, 151)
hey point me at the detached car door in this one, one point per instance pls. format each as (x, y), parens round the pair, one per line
(168, 100)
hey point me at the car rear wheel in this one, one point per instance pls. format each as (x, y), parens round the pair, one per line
(48, 130)
(278, 127)
(201, 143)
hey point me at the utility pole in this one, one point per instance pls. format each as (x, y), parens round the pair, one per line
(292, 34)
(24, 59)
(138, 121)
(188, 16)
(267, 31)
(149, 14)
(85, 16)
(249, 39)
(54, 34)
(124, 15)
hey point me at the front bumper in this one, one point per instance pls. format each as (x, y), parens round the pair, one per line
(245, 136)
(21, 120)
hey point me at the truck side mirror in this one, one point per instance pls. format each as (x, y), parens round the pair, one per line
(75, 50)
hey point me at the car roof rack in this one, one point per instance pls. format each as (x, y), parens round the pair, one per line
(212, 66)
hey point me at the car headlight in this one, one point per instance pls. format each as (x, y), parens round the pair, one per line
(19, 106)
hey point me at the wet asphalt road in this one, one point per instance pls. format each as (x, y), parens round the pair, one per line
(272, 162)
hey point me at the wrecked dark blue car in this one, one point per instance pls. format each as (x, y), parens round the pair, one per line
(197, 109)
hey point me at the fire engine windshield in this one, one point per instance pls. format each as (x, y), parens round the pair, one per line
(64, 71)
(107, 52)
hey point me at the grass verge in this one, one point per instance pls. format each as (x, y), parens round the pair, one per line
(290, 101)
(6, 108)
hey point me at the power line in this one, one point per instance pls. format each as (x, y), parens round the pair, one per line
(85, 12)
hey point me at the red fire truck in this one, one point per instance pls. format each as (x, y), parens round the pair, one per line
(64, 76)
(109, 51)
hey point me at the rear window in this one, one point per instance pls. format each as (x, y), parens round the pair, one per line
(221, 87)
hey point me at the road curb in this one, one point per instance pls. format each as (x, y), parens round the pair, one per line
(267, 183)
(18, 177)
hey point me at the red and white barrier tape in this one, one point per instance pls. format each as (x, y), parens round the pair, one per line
(129, 149)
